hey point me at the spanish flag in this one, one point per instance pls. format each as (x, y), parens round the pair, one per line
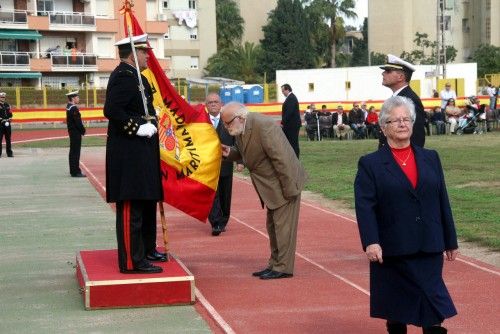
(189, 146)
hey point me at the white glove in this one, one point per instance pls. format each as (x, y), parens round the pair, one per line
(147, 130)
(6, 123)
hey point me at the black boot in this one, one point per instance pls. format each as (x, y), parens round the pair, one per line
(434, 330)
(396, 328)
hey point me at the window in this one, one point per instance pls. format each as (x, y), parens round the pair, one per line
(194, 62)
(193, 34)
(167, 34)
(45, 6)
(102, 8)
(311, 86)
(446, 21)
(105, 47)
(192, 4)
(165, 4)
(465, 25)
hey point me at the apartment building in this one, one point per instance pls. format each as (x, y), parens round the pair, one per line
(255, 15)
(67, 43)
(392, 24)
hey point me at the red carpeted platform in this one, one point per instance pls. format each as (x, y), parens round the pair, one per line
(103, 286)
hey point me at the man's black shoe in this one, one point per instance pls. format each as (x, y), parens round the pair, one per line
(10, 155)
(216, 231)
(78, 175)
(262, 272)
(275, 275)
(146, 269)
(157, 256)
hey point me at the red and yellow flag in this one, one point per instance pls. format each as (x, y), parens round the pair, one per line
(189, 146)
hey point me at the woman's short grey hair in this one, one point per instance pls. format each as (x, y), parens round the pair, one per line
(392, 103)
(241, 109)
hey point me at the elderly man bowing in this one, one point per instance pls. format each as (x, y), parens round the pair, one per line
(278, 178)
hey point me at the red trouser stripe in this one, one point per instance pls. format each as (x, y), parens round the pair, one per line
(126, 234)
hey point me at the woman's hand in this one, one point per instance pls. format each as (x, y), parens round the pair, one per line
(374, 253)
(451, 254)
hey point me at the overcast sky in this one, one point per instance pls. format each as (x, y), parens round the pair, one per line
(362, 10)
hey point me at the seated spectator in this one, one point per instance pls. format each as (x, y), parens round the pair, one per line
(372, 123)
(437, 118)
(324, 111)
(427, 122)
(357, 121)
(312, 124)
(340, 123)
(453, 113)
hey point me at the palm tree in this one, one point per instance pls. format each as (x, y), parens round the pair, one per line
(229, 24)
(333, 11)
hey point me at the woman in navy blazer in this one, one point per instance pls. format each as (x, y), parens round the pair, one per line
(405, 224)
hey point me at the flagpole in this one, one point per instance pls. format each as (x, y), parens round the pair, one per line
(147, 117)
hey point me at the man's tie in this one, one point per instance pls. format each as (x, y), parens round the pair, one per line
(215, 122)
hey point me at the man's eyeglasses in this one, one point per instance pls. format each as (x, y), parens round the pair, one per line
(228, 124)
(398, 121)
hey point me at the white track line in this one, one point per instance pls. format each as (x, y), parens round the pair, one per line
(354, 221)
(51, 138)
(314, 263)
(213, 313)
(204, 302)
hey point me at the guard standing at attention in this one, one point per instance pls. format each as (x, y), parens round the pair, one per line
(75, 130)
(5, 125)
(133, 179)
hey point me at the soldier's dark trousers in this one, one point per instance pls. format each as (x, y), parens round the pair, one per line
(75, 146)
(7, 132)
(135, 232)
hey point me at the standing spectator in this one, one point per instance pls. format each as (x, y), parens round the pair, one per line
(365, 111)
(277, 176)
(76, 131)
(453, 113)
(438, 119)
(490, 90)
(357, 121)
(405, 224)
(446, 94)
(372, 123)
(340, 123)
(133, 179)
(396, 76)
(290, 118)
(5, 125)
(221, 207)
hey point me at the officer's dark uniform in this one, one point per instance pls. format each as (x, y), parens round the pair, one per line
(75, 130)
(5, 128)
(133, 179)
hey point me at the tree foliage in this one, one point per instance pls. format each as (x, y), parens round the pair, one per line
(426, 51)
(360, 47)
(236, 63)
(332, 12)
(487, 58)
(229, 24)
(286, 43)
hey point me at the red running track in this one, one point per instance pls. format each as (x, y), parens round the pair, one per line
(329, 291)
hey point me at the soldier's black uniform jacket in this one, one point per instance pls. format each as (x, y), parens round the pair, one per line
(132, 162)
(74, 119)
(5, 113)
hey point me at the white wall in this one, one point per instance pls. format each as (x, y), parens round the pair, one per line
(366, 82)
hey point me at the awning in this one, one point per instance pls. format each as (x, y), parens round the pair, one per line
(20, 34)
(20, 75)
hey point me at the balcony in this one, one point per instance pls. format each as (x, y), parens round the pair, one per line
(69, 20)
(15, 60)
(13, 16)
(78, 62)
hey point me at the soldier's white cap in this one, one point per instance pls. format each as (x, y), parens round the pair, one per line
(72, 94)
(395, 63)
(140, 42)
(3, 94)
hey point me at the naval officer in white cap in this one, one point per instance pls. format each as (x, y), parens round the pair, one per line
(396, 76)
(76, 131)
(133, 179)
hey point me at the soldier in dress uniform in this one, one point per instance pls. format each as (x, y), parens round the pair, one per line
(75, 130)
(5, 125)
(133, 179)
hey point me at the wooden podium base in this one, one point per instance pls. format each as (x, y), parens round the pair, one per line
(103, 286)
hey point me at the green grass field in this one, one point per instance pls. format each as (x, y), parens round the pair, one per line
(471, 164)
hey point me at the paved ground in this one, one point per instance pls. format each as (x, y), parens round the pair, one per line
(45, 218)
